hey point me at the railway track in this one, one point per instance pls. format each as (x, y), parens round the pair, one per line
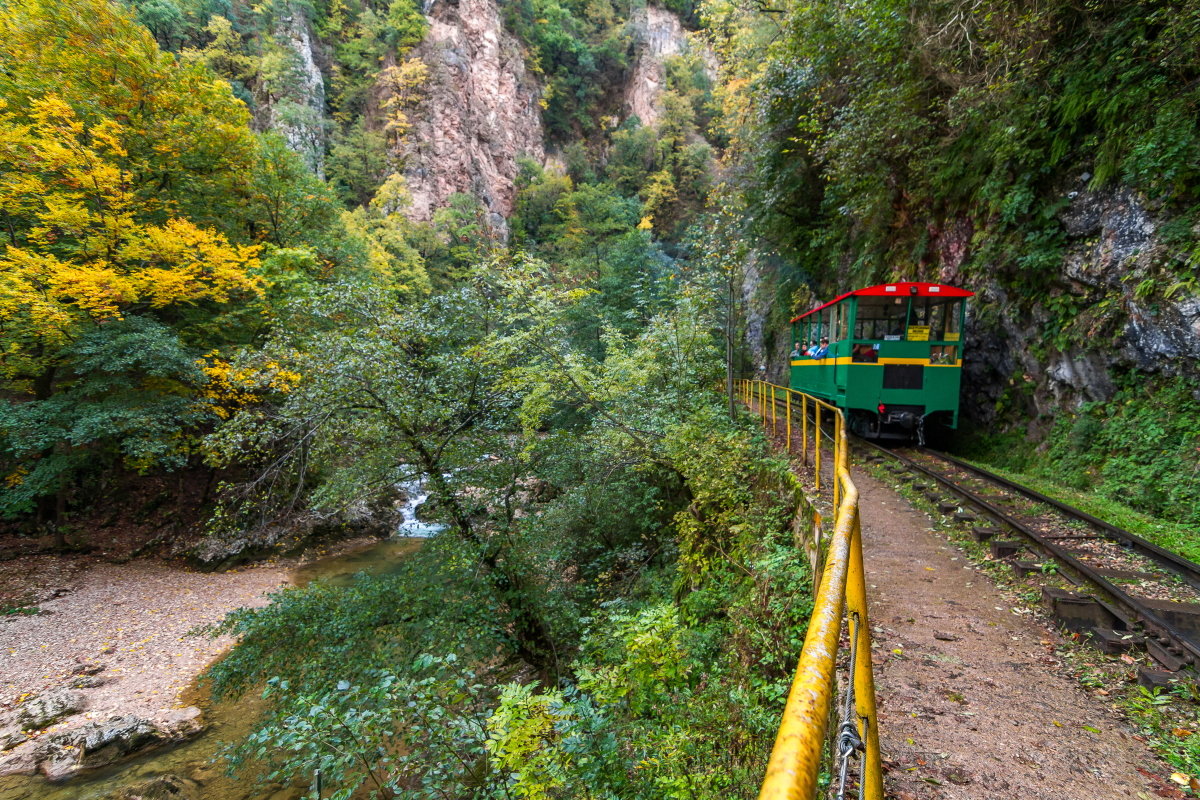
(1119, 590)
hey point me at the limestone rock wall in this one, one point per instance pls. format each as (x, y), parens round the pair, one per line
(293, 103)
(1114, 245)
(479, 114)
(657, 35)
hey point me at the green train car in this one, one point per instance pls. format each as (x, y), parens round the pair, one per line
(893, 361)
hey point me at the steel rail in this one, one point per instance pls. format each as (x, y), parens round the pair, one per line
(1128, 609)
(1188, 570)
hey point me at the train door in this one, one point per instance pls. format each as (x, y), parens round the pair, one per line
(838, 339)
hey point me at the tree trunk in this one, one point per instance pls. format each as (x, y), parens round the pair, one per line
(531, 637)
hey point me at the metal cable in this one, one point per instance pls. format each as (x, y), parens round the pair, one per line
(849, 741)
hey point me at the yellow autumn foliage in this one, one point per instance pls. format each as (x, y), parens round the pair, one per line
(87, 255)
(231, 388)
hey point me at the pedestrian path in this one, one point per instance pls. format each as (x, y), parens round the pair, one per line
(972, 700)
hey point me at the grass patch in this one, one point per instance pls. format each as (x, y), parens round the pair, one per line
(19, 611)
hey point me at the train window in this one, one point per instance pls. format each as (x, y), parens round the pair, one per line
(808, 332)
(953, 318)
(937, 320)
(865, 353)
(943, 354)
(918, 311)
(933, 319)
(880, 318)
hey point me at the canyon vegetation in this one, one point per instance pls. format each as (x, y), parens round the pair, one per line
(266, 262)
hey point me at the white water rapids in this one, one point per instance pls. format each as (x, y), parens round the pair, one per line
(415, 494)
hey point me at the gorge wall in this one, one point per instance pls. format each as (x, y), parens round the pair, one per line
(479, 115)
(476, 114)
(657, 34)
(1114, 247)
(292, 103)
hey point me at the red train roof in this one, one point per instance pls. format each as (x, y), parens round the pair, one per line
(898, 289)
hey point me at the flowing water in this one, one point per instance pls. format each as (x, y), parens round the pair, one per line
(194, 760)
(416, 494)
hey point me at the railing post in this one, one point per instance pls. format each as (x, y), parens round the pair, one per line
(845, 445)
(864, 680)
(774, 414)
(839, 458)
(788, 394)
(817, 445)
(804, 429)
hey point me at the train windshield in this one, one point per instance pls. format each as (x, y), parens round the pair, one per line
(881, 318)
(935, 319)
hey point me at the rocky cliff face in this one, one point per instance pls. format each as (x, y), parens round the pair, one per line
(657, 35)
(1114, 245)
(479, 113)
(293, 103)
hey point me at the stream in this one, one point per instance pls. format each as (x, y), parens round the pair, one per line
(194, 760)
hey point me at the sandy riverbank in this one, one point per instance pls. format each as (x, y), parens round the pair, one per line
(133, 619)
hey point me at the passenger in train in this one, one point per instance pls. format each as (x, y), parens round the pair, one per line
(865, 354)
(822, 350)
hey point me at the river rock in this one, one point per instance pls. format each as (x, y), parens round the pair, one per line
(38, 712)
(164, 787)
(182, 723)
(99, 744)
(229, 549)
(226, 550)
(87, 682)
(22, 760)
(11, 734)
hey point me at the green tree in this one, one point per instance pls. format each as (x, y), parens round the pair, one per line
(358, 162)
(463, 237)
(390, 392)
(164, 19)
(134, 202)
(124, 393)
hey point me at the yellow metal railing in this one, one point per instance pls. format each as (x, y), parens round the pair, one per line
(800, 745)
